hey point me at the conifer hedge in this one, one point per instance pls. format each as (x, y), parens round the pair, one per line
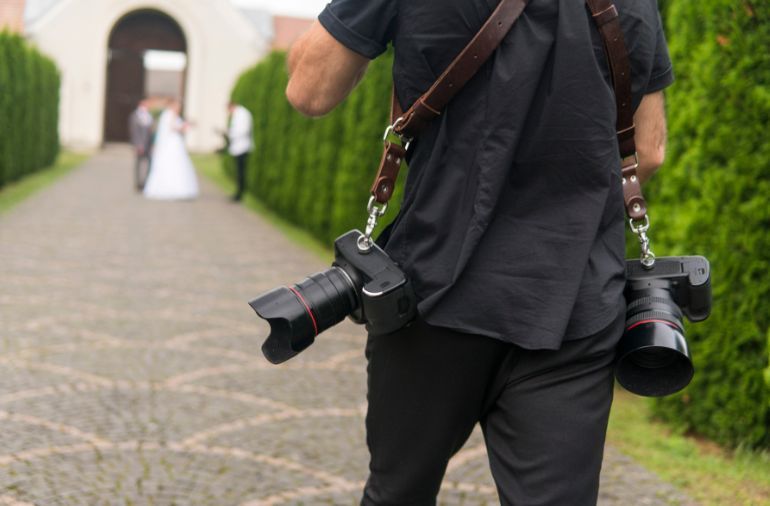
(714, 192)
(315, 172)
(29, 109)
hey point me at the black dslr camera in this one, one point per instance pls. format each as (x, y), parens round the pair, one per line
(653, 358)
(363, 283)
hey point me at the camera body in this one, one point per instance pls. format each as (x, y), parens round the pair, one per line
(386, 299)
(653, 357)
(688, 279)
(365, 285)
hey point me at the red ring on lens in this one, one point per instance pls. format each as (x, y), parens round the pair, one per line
(307, 308)
(652, 321)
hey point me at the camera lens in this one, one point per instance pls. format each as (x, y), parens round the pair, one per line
(299, 313)
(653, 358)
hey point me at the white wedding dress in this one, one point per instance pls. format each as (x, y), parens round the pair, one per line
(172, 175)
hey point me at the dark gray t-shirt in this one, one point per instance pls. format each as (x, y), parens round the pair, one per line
(512, 221)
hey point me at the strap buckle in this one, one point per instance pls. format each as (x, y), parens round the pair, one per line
(633, 162)
(390, 132)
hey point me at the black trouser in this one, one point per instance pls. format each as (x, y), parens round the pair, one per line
(240, 167)
(543, 413)
(141, 160)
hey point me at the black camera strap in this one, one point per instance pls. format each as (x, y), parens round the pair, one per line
(406, 125)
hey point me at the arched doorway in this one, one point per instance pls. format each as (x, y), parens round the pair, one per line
(132, 37)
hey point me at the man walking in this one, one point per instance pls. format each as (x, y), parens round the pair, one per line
(511, 231)
(140, 127)
(241, 143)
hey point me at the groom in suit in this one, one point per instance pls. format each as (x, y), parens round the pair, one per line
(140, 124)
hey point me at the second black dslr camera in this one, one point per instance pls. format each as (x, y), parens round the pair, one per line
(363, 283)
(653, 357)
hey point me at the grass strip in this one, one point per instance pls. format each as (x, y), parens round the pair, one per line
(210, 165)
(704, 471)
(14, 193)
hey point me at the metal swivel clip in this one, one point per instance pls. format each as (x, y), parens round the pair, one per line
(647, 257)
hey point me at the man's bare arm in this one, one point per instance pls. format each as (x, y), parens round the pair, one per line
(322, 72)
(650, 137)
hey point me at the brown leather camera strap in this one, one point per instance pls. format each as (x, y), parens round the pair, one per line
(429, 106)
(605, 16)
(409, 124)
(461, 70)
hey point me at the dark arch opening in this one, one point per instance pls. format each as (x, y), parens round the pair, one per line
(131, 37)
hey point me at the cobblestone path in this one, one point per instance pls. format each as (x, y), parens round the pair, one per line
(130, 369)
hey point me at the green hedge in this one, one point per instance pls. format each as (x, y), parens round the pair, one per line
(315, 172)
(29, 109)
(714, 191)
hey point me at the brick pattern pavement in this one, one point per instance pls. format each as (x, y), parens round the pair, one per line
(131, 371)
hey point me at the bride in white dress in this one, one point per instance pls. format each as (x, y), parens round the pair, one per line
(172, 175)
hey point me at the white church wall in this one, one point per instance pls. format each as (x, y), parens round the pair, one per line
(220, 45)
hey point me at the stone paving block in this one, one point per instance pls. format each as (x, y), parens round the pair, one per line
(19, 380)
(17, 435)
(143, 413)
(296, 385)
(134, 362)
(334, 441)
(149, 476)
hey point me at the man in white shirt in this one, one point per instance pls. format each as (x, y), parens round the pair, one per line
(239, 135)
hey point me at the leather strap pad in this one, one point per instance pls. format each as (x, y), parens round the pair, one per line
(385, 181)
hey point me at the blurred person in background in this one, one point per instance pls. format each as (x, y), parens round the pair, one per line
(172, 175)
(240, 143)
(140, 127)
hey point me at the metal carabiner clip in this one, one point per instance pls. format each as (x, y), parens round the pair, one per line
(647, 257)
(375, 212)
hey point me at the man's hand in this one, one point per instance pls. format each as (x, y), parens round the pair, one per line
(650, 137)
(322, 72)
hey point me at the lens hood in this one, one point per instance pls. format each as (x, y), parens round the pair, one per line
(653, 360)
(291, 327)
